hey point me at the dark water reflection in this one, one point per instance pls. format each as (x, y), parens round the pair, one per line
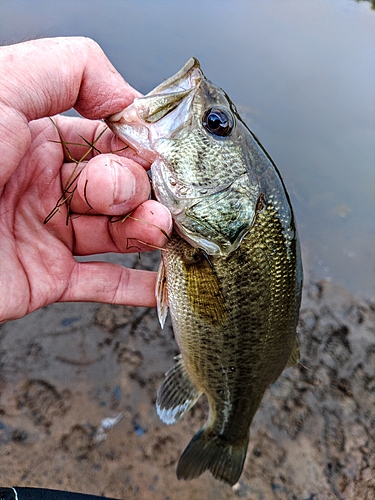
(302, 73)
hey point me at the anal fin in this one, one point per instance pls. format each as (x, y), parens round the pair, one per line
(176, 395)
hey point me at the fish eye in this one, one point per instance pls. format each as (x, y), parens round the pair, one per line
(218, 121)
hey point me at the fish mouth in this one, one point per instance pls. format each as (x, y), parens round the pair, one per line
(171, 97)
(188, 77)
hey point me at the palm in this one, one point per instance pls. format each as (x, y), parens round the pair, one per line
(40, 266)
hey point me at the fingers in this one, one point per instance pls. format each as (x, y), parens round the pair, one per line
(104, 282)
(107, 184)
(144, 230)
(120, 188)
(110, 283)
(113, 186)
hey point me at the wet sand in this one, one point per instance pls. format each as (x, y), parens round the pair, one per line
(65, 370)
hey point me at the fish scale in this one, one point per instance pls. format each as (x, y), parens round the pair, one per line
(231, 273)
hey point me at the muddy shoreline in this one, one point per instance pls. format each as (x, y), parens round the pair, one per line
(77, 405)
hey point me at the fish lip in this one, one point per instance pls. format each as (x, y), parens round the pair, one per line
(181, 83)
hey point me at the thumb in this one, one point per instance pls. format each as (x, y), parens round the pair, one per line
(109, 185)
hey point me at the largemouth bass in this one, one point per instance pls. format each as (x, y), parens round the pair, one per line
(231, 273)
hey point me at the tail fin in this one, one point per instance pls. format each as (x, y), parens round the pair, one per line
(223, 459)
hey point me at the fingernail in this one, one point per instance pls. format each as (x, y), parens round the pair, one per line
(124, 183)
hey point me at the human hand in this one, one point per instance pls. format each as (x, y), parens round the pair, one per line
(37, 267)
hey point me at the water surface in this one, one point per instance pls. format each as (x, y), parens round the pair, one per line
(302, 74)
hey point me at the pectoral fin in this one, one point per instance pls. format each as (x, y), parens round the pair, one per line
(176, 395)
(203, 288)
(161, 294)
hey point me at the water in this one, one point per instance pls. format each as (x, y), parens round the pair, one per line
(302, 74)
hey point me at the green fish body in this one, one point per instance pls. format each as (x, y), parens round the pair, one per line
(231, 273)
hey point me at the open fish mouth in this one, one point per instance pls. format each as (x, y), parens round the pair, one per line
(167, 104)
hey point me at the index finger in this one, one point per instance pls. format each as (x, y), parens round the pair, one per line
(48, 76)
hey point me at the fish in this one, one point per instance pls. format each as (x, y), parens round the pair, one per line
(231, 273)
